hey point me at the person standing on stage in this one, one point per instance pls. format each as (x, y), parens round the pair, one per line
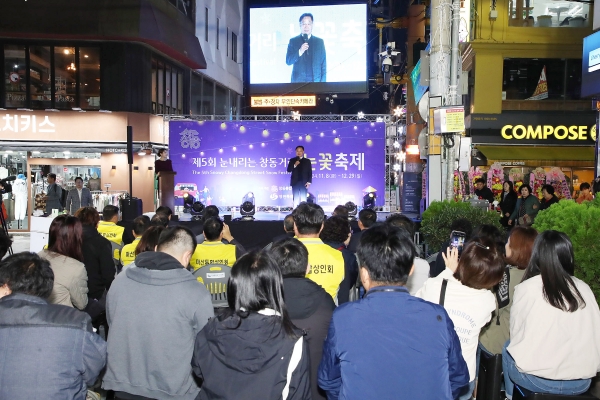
(301, 169)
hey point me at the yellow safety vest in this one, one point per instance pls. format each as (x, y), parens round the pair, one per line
(213, 253)
(326, 265)
(111, 231)
(128, 252)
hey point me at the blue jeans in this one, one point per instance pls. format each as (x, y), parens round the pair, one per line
(536, 384)
(299, 192)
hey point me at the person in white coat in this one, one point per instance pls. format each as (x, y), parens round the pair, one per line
(463, 289)
(554, 344)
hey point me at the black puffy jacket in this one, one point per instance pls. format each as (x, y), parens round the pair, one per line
(99, 264)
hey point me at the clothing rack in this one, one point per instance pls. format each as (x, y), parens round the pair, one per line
(107, 197)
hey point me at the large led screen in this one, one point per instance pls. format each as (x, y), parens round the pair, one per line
(308, 49)
(590, 65)
(219, 162)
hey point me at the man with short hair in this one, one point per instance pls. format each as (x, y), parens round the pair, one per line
(209, 212)
(366, 219)
(49, 351)
(585, 193)
(327, 263)
(288, 228)
(114, 233)
(78, 197)
(140, 225)
(308, 304)
(410, 349)
(166, 211)
(301, 178)
(155, 310)
(306, 53)
(482, 191)
(53, 194)
(213, 250)
(421, 267)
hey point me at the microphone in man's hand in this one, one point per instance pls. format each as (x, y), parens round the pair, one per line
(305, 38)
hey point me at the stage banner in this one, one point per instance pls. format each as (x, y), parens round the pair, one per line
(219, 162)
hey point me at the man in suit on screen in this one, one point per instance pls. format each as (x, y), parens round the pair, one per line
(301, 169)
(306, 53)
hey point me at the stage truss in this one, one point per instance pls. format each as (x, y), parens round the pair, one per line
(395, 134)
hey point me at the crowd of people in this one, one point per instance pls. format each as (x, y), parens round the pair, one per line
(321, 312)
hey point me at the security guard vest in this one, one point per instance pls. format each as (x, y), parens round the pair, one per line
(114, 233)
(213, 253)
(128, 252)
(326, 265)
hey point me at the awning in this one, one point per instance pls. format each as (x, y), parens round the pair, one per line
(574, 156)
(54, 146)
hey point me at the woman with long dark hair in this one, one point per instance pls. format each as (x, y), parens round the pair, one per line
(97, 255)
(463, 288)
(508, 202)
(554, 344)
(517, 255)
(253, 343)
(66, 260)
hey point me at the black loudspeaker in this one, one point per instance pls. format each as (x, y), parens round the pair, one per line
(131, 208)
(130, 144)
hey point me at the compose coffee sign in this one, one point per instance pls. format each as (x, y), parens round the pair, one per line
(576, 129)
(545, 132)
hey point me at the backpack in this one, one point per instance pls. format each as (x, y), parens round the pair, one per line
(63, 198)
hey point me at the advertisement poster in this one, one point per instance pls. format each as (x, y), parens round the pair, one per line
(219, 162)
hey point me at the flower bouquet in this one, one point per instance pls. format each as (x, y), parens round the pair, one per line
(515, 175)
(495, 180)
(538, 180)
(556, 178)
(459, 186)
(474, 174)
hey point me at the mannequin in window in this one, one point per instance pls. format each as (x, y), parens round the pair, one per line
(20, 194)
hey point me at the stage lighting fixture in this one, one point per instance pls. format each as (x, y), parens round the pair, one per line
(188, 201)
(352, 209)
(369, 200)
(310, 198)
(248, 208)
(197, 211)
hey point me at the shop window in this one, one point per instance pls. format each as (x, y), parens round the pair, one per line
(234, 46)
(196, 95)
(14, 163)
(548, 13)
(221, 101)
(65, 77)
(15, 76)
(206, 24)
(521, 77)
(179, 93)
(161, 87)
(233, 98)
(40, 76)
(168, 91)
(208, 92)
(154, 85)
(89, 78)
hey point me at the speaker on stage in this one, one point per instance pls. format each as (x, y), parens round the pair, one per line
(129, 144)
(131, 207)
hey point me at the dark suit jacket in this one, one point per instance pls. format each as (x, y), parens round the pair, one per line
(302, 173)
(73, 203)
(312, 65)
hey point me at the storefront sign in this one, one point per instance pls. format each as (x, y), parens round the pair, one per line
(27, 123)
(283, 101)
(107, 185)
(115, 150)
(561, 132)
(541, 128)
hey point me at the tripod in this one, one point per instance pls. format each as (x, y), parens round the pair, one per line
(4, 226)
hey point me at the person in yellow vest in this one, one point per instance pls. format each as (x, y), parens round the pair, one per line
(140, 225)
(114, 233)
(213, 250)
(326, 263)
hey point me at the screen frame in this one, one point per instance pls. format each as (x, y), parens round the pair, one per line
(283, 88)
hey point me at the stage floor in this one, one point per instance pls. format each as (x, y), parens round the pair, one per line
(279, 216)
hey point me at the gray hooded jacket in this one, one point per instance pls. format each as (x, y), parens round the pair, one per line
(155, 310)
